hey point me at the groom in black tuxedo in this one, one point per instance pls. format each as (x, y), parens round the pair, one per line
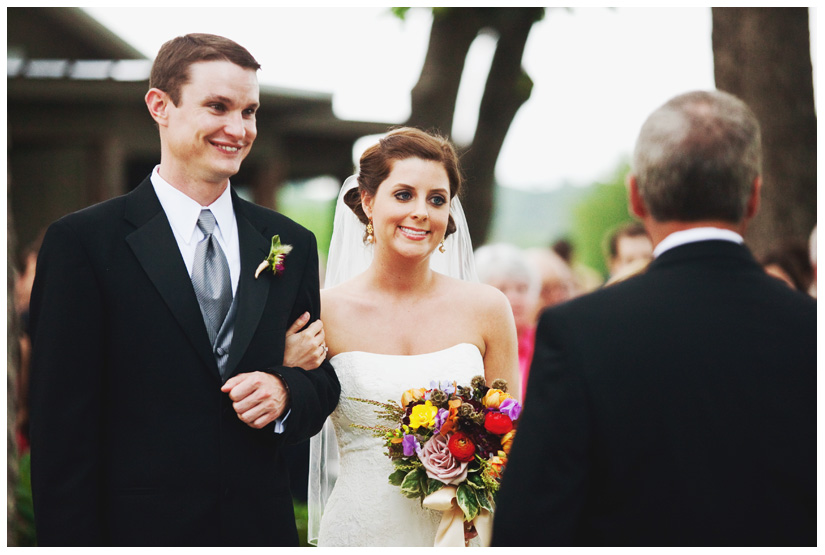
(160, 405)
(677, 408)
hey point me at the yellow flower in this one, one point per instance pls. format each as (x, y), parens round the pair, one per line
(412, 395)
(494, 398)
(507, 441)
(423, 415)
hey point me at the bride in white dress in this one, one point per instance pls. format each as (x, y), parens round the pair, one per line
(398, 324)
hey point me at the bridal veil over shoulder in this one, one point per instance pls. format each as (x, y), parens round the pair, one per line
(348, 257)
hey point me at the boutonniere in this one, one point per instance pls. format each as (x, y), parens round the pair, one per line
(275, 260)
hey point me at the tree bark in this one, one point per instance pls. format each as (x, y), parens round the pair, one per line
(433, 98)
(507, 88)
(763, 56)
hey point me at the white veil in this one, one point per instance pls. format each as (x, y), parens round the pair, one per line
(349, 255)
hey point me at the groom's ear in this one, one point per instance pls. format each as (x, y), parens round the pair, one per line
(158, 102)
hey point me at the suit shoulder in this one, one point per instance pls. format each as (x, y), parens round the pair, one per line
(95, 216)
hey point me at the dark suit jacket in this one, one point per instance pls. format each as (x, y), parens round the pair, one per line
(677, 408)
(132, 441)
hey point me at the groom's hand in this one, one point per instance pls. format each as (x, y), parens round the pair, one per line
(258, 398)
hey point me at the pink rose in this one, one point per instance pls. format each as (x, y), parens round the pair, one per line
(440, 464)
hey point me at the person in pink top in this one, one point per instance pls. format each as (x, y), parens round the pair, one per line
(507, 268)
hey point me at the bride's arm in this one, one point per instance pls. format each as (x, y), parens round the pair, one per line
(499, 332)
(305, 349)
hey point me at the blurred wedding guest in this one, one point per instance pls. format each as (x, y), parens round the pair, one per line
(812, 256)
(677, 408)
(27, 265)
(506, 268)
(628, 249)
(585, 278)
(790, 263)
(555, 275)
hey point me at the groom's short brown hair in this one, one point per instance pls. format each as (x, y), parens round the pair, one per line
(170, 70)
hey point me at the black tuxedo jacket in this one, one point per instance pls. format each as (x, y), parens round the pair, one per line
(132, 441)
(677, 408)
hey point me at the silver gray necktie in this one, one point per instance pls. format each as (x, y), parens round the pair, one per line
(210, 277)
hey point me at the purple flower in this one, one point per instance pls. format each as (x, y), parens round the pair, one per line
(411, 445)
(446, 386)
(511, 408)
(440, 418)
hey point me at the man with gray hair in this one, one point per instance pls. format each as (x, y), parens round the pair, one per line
(677, 407)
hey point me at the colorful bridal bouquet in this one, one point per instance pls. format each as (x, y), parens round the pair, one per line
(449, 445)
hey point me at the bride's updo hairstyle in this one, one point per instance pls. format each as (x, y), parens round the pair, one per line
(400, 144)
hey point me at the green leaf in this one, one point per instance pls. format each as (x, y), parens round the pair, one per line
(411, 485)
(433, 486)
(475, 480)
(397, 477)
(467, 501)
(484, 501)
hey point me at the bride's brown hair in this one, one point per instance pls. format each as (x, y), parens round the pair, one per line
(400, 144)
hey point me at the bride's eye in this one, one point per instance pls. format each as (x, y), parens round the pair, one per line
(438, 200)
(403, 195)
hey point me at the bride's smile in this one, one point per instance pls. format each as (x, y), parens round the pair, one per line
(411, 208)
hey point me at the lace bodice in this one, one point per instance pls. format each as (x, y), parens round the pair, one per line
(364, 509)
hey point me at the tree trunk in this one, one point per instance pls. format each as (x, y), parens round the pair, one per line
(433, 98)
(763, 56)
(507, 88)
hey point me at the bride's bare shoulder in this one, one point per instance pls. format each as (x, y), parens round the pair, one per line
(485, 298)
(342, 295)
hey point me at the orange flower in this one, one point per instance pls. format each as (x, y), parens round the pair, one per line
(507, 441)
(449, 424)
(497, 463)
(494, 398)
(412, 395)
(461, 447)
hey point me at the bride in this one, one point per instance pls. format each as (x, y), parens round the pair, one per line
(392, 323)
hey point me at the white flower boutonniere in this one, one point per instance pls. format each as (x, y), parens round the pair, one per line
(275, 260)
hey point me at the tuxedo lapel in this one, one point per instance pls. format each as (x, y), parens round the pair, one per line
(157, 252)
(252, 293)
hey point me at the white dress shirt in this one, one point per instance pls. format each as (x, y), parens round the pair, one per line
(696, 234)
(182, 212)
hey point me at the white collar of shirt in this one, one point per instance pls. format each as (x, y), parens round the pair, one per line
(183, 211)
(679, 238)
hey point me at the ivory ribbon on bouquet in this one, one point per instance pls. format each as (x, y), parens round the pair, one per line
(450, 531)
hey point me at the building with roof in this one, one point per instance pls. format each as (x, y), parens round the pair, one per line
(79, 132)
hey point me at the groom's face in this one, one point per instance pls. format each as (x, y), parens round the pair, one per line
(211, 130)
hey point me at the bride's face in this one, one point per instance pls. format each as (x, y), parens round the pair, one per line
(411, 208)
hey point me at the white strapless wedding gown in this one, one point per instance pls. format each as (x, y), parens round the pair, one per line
(364, 509)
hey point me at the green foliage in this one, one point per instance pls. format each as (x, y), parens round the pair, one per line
(467, 501)
(400, 13)
(301, 522)
(23, 524)
(415, 482)
(313, 214)
(602, 209)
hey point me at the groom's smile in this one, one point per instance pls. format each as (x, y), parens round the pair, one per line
(212, 129)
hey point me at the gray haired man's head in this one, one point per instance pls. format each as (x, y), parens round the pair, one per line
(697, 157)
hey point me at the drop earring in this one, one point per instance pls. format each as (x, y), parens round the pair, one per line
(441, 247)
(370, 238)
